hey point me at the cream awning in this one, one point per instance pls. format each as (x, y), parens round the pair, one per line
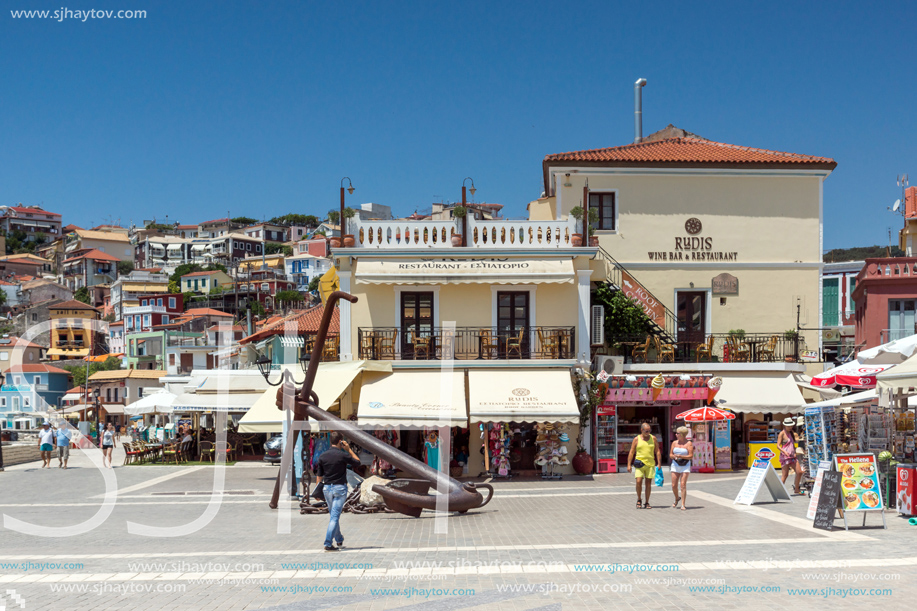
(522, 396)
(761, 393)
(414, 399)
(331, 381)
(215, 402)
(866, 396)
(900, 378)
(464, 271)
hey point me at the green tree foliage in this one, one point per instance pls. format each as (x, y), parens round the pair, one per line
(174, 287)
(839, 255)
(288, 296)
(82, 294)
(245, 220)
(313, 284)
(257, 308)
(125, 267)
(334, 216)
(79, 371)
(624, 318)
(304, 220)
(190, 268)
(217, 290)
(2, 297)
(188, 298)
(272, 248)
(159, 227)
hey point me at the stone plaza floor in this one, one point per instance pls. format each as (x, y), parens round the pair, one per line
(578, 543)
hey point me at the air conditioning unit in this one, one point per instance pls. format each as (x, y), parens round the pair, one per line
(612, 365)
(597, 325)
(831, 335)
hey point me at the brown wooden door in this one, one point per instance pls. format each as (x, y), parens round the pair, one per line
(416, 317)
(187, 362)
(692, 316)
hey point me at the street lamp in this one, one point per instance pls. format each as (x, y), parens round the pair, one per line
(97, 393)
(465, 217)
(264, 366)
(341, 219)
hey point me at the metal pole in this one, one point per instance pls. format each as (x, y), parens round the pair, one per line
(341, 218)
(464, 219)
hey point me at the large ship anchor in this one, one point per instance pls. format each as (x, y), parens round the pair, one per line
(406, 496)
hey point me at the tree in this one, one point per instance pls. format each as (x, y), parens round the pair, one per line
(125, 267)
(245, 220)
(159, 227)
(217, 290)
(256, 308)
(305, 220)
(334, 216)
(313, 284)
(187, 297)
(79, 371)
(624, 317)
(2, 297)
(82, 294)
(174, 287)
(272, 248)
(288, 296)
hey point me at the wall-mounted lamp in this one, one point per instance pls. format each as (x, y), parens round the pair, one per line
(691, 284)
(567, 182)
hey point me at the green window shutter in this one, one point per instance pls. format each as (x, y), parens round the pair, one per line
(829, 291)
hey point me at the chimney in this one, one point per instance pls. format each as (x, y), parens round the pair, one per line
(638, 110)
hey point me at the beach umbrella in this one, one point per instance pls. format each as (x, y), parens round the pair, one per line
(159, 402)
(854, 374)
(705, 414)
(891, 353)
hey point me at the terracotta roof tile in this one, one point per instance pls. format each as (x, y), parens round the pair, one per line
(304, 322)
(36, 368)
(207, 273)
(26, 210)
(95, 254)
(120, 374)
(674, 151)
(13, 341)
(205, 312)
(73, 304)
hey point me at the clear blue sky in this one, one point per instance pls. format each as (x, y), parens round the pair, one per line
(261, 108)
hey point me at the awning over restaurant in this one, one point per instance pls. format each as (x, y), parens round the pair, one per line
(522, 396)
(68, 353)
(215, 402)
(113, 409)
(331, 381)
(159, 402)
(760, 393)
(867, 396)
(465, 271)
(414, 399)
(900, 378)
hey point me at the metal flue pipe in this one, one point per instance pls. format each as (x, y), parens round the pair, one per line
(638, 110)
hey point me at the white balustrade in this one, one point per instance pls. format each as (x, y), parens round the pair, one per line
(481, 234)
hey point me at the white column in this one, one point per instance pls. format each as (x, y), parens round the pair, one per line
(582, 331)
(346, 342)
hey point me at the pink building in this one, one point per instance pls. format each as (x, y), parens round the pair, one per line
(154, 310)
(885, 299)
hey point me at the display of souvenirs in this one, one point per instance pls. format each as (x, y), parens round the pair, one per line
(703, 449)
(499, 438)
(552, 449)
(821, 435)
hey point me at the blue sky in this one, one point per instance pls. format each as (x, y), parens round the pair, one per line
(260, 108)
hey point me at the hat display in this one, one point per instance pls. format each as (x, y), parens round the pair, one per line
(789, 422)
(801, 421)
(564, 437)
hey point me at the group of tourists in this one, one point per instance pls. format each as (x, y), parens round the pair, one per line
(61, 438)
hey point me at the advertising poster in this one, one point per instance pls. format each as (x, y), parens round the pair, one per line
(859, 482)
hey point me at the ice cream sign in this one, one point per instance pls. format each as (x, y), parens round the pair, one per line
(659, 388)
(764, 454)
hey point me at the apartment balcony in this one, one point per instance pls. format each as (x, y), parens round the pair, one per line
(713, 347)
(148, 309)
(481, 234)
(890, 335)
(467, 343)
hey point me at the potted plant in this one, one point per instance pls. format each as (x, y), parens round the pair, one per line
(334, 218)
(459, 213)
(590, 227)
(577, 238)
(738, 334)
(791, 335)
(582, 461)
(349, 241)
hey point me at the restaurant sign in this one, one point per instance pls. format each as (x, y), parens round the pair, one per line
(654, 310)
(693, 247)
(725, 284)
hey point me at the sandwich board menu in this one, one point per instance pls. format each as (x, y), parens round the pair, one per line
(828, 502)
(761, 474)
(823, 466)
(860, 483)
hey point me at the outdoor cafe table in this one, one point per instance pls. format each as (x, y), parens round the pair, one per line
(157, 450)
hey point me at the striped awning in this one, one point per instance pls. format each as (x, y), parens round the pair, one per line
(291, 341)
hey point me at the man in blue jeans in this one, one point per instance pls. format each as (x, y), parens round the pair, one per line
(332, 470)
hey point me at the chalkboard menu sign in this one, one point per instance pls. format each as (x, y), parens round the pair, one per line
(828, 500)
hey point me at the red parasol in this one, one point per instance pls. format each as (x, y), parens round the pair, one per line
(705, 414)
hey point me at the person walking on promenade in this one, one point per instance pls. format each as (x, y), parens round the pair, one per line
(680, 455)
(46, 444)
(643, 458)
(108, 444)
(786, 442)
(331, 471)
(63, 446)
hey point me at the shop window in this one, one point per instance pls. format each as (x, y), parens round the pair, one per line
(604, 205)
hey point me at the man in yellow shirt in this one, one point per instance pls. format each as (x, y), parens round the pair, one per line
(645, 452)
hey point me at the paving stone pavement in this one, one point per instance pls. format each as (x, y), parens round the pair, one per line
(528, 549)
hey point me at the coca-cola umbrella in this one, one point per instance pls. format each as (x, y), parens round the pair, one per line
(705, 414)
(854, 374)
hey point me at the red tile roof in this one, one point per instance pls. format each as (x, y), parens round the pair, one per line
(32, 210)
(207, 273)
(206, 312)
(678, 151)
(73, 304)
(36, 368)
(303, 322)
(94, 254)
(224, 220)
(13, 341)
(186, 226)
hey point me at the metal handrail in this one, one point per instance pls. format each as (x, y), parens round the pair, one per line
(466, 343)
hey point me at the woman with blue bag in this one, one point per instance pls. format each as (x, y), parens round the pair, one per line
(643, 457)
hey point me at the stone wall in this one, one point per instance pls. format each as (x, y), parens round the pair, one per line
(16, 453)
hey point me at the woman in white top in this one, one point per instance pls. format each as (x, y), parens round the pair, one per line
(108, 443)
(680, 454)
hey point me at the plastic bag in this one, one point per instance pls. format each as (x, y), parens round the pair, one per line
(660, 480)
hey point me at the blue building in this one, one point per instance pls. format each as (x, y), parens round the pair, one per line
(303, 267)
(28, 391)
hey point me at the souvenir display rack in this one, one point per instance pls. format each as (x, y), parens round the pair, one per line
(821, 435)
(551, 449)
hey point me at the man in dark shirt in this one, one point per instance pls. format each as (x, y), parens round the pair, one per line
(332, 470)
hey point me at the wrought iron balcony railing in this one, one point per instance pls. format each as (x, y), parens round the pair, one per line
(717, 347)
(467, 343)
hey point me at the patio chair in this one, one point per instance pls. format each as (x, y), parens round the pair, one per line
(514, 344)
(489, 346)
(643, 350)
(248, 443)
(172, 453)
(330, 351)
(421, 345)
(549, 344)
(738, 352)
(705, 349)
(766, 352)
(206, 451)
(665, 352)
(226, 448)
(132, 453)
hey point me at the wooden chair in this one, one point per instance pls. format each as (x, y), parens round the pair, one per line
(549, 344)
(514, 344)
(489, 346)
(225, 448)
(248, 443)
(738, 352)
(132, 453)
(206, 451)
(664, 352)
(705, 349)
(385, 345)
(421, 345)
(330, 351)
(643, 350)
(766, 352)
(172, 453)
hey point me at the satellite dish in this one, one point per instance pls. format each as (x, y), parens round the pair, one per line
(896, 206)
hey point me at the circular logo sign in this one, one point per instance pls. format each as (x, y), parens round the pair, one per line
(521, 392)
(375, 405)
(693, 226)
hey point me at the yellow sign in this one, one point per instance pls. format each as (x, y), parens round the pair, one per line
(768, 451)
(328, 283)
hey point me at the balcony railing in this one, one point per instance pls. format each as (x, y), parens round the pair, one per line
(890, 335)
(716, 347)
(481, 234)
(147, 309)
(467, 343)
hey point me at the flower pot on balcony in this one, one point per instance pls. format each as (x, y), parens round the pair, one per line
(456, 239)
(583, 463)
(335, 242)
(349, 241)
(576, 239)
(593, 240)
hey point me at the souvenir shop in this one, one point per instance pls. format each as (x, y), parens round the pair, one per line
(632, 400)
